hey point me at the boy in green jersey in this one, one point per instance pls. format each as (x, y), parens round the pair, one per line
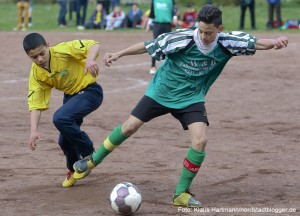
(194, 58)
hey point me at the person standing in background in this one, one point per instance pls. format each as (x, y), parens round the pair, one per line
(22, 21)
(105, 4)
(274, 4)
(80, 19)
(72, 8)
(161, 15)
(30, 10)
(244, 5)
(114, 3)
(62, 13)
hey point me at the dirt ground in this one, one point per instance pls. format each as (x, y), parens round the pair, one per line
(252, 162)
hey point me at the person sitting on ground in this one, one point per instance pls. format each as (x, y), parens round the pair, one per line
(115, 19)
(145, 19)
(97, 19)
(291, 24)
(134, 16)
(189, 17)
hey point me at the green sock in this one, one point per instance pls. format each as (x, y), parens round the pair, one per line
(191, 165)
(114, 139)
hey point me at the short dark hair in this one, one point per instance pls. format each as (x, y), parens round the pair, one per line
(210, 14)
(32, 41)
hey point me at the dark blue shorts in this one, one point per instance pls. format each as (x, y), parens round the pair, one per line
(148, 109)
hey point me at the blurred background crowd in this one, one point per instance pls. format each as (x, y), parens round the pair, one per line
(114, 14)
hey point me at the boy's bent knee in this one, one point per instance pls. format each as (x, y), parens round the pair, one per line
(199, 144)
(58, 120)
(131, 126)
(129, 129)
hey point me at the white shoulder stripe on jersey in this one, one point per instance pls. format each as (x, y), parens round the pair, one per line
(168, 42)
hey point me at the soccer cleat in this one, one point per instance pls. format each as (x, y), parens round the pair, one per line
(152, 70)
(186, 199)
(83, 167)
(69, 181)
(78, 176)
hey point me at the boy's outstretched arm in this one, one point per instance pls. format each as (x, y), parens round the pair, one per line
(132, 50)
(265, 44)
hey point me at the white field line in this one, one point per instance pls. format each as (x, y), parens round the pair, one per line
(137, 83)
(14, 81)
(129, 65)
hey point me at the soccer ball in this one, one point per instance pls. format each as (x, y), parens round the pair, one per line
(125, 198)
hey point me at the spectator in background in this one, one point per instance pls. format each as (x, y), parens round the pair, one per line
(113, 3)
(106, 5)
(22, 20)
(80, 18)
(30, 10)
(291, 24)
(251, 5)
(145, 20)
(274, 4)
(189, 17)
(134, 16)
(72, 8)
(176, 15)
(161, 15)
(97, 19)
(62, 13)
(115, 19)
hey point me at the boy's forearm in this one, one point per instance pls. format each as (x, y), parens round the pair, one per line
(35, 116)
(264, 44)
(133, 50)
(94, 52)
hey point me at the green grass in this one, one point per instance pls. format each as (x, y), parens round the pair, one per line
(45, 16)
(231, 15)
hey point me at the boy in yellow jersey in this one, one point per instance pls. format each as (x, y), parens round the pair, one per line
(70, 67)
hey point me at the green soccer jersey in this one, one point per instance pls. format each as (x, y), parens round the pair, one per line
(163, 10)
(190, 68)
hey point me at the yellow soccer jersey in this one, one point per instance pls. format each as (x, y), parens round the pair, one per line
(66, 73)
